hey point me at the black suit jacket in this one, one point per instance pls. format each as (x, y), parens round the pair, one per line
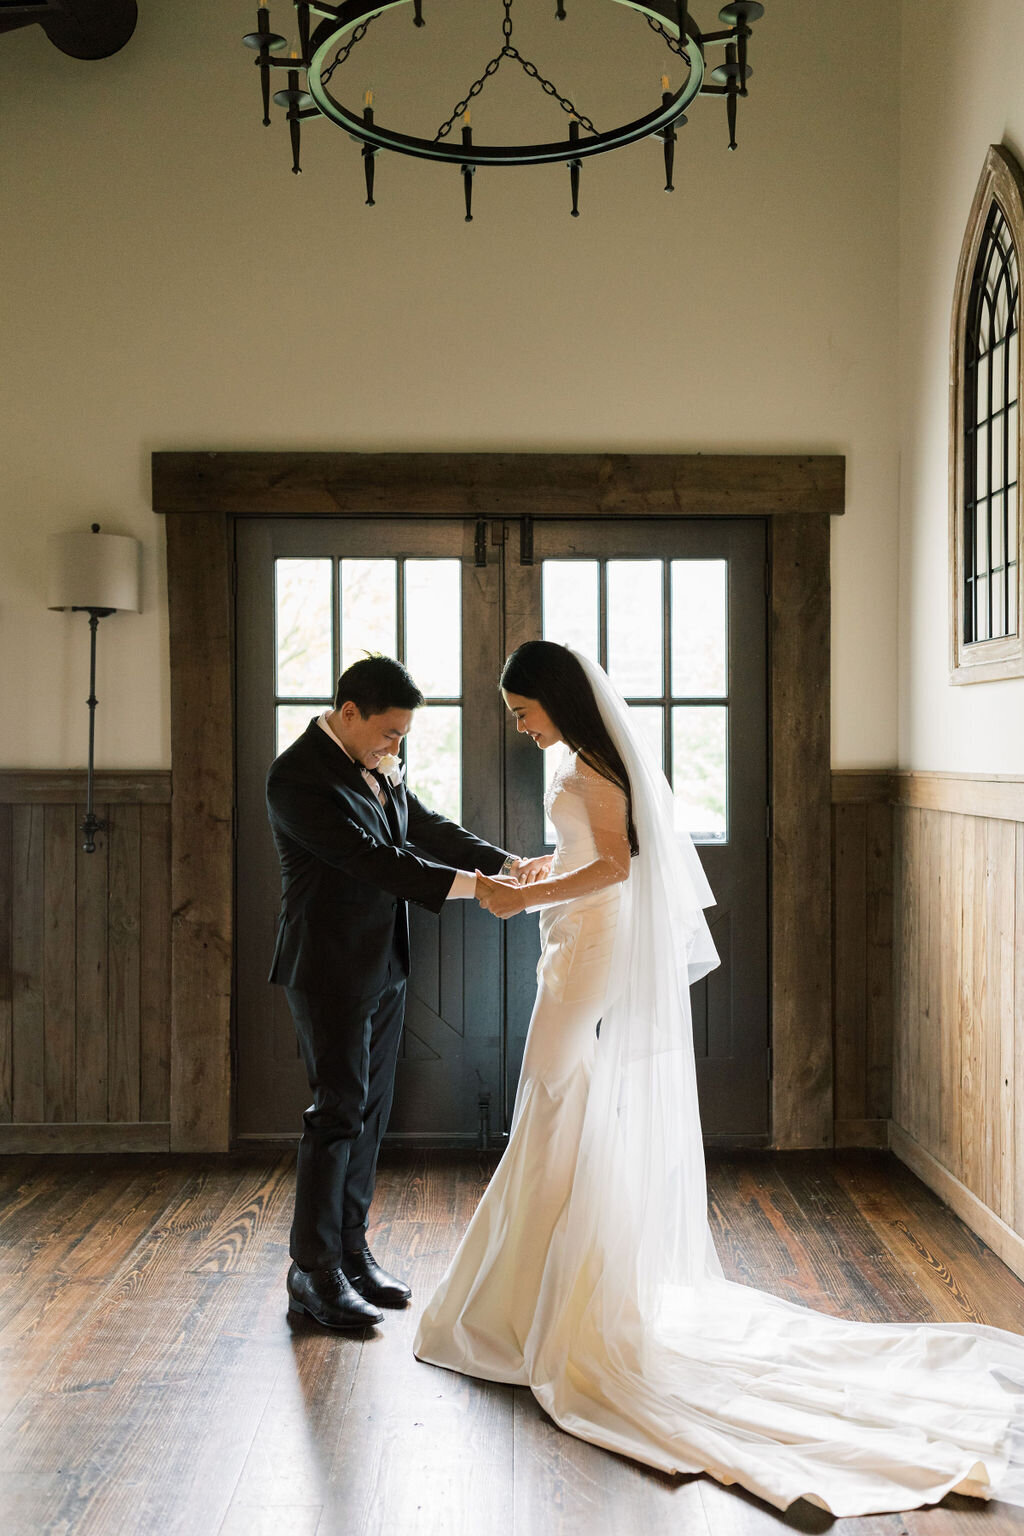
(348, 868)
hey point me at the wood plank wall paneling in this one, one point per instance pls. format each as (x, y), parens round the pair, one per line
(862, 956)
(959, 1007)
(6, 963)
(84, 964)
(956, 1010)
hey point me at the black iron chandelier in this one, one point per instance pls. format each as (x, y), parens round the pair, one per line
(323, 50)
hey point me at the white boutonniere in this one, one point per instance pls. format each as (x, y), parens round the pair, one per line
(392, 768)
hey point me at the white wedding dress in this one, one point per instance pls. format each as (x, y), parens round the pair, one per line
(588, 1272)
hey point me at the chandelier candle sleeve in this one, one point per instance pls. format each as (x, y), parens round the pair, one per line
(468, 170)
(669, 137)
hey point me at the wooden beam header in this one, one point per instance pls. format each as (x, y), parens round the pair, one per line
(498, 484)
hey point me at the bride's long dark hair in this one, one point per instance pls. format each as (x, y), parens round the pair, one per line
(551, 674)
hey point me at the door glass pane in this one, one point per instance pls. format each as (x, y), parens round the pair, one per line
(699, 628)
(699, 781)
(650, 722)
(433, 750)
(292, 720)
(368, 609)
(302, 603)
(433, 626)
(635, 627)
(570, 591)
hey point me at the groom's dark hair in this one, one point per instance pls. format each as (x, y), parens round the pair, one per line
(551, 674)
(377, 684)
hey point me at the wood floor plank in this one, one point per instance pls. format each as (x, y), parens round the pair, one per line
(290, 1456)
(946, 1246)
(735, 1512)
(34, 1206)
(957, 1516)
(205, 1418)
(781, 1225)
(441, 1459)
(419, 1448)
(275, 1520)
(167, 1392)
(566, 1487)
(260, 1207)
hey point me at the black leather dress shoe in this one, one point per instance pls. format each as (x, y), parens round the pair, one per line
(372, 1282)
(328, 1298)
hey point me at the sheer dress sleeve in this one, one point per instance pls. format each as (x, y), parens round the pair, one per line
(604, 805)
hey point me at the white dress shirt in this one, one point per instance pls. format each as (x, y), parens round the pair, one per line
(463, 887)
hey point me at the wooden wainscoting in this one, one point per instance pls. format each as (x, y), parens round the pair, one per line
(958, 1048)
(928, 993)
(862, 956)
(84, 964)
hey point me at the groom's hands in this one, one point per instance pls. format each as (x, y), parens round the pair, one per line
(501, 896)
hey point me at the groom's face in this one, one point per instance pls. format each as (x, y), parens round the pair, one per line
(369, 738)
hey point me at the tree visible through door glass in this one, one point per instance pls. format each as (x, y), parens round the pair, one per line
(699, 629)
(369, 608)
(302, 612)
(433, 654)
(699, 771)
(635, 619)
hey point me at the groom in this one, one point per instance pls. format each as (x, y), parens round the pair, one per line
(355, 846)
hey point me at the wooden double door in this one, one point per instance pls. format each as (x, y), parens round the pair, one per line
(676, 612)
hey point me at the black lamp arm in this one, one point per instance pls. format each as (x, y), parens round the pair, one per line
(92, 824)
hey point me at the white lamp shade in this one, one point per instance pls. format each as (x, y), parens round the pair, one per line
(94, 570)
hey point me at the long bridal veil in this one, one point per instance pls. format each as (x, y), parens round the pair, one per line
(648, 1349)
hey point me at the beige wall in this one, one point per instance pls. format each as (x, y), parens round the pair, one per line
(166, 283)
(961, 91)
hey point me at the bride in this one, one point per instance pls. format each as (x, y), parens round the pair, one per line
(588, 1272)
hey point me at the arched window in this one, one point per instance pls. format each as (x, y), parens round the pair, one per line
(987, 596)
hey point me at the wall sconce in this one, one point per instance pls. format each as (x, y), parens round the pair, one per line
(98, 574)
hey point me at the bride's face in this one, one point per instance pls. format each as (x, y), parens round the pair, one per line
(531, 720)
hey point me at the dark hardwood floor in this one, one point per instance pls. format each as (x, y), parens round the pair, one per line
(151, 1380)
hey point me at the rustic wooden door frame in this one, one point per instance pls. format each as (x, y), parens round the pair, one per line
(203, 493)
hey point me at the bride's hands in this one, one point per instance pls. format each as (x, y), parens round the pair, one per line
(531, 870)
(502, 897)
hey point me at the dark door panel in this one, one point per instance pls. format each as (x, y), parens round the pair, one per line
(451, 1069)
(696, 590)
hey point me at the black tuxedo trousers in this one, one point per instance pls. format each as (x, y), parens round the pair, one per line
(350, 1050)
(348, 868)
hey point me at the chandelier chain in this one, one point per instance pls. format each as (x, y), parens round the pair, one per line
(510, 52)
(670, 41)
(343, 53)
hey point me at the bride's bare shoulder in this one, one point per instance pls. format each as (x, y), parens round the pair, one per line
(587, 777)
